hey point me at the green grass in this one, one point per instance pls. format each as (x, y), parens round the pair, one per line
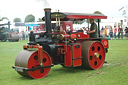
(115, 72)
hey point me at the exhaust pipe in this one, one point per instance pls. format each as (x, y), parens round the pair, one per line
(48, 20)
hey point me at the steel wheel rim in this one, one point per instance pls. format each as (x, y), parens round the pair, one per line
(32, 63)
(96, 57)
(30, 59)
(93, 54)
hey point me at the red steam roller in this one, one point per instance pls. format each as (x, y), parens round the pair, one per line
(62, 43)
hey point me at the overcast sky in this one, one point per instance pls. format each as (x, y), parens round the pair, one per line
(21, 8)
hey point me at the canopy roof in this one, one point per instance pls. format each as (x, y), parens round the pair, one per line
(76, 16)
(32, 25)
(19, 24)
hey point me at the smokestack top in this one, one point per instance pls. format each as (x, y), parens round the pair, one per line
(47, 9)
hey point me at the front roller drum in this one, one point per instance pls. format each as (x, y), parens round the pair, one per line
(93, 54)
(30, 59)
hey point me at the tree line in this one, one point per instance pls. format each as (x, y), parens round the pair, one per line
(28, 18)
(31, 18)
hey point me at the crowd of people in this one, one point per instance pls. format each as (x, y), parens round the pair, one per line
(115, 33)
(23, 35)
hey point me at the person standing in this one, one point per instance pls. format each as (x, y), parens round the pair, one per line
(26, 35)
(93, 33)
(119, 31)
(111, 33)
(115, 31)
(23, 35)
(126, 32)
(102, 29)
(105, 31)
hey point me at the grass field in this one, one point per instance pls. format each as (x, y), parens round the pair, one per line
(115, 72)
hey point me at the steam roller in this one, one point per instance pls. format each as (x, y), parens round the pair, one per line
(93, 54)
(59, 43)
(30, 60)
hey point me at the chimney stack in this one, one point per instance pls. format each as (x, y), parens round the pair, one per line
(48, 19)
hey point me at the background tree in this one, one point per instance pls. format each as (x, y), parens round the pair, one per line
(39, 20)
(30, 18)
(17, 20)
(3, 18)
(97, 12)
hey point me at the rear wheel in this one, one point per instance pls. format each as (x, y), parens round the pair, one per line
(10, 40)
(17, 40)
(4, 38)
(30, 59)
(93, 54)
